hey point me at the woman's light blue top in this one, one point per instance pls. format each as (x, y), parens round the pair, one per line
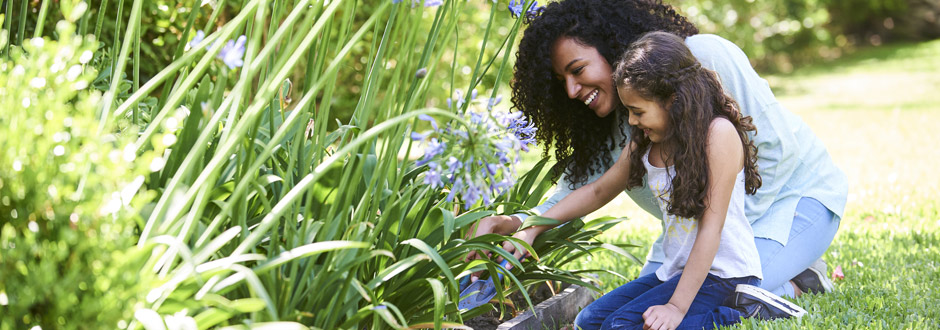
(792, 162)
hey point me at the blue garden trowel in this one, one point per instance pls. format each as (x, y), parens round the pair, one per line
(478, 293)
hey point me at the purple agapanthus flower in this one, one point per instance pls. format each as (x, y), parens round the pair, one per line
(503, 157)
(476, 118)
(520, 126)
(502, 186)
(429, 119)
(516, 7)
(433, 3)
(459, 97)
(476, 162)
(455, 189)
(494, 101)
(492, 168)
(453, 165)
(233, 52)
(200, 36)
(472, 194)
(434, 148)
(422, 72)
(415, 136)
(433, 175)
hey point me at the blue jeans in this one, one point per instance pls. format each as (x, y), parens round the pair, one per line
(623, 307)
(813, 229)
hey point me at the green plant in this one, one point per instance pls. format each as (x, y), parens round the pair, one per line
(68, 194)
(262, 213)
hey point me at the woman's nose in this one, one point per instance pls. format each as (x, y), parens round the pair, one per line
(572, 87)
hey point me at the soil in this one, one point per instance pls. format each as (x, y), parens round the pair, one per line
(490, 320)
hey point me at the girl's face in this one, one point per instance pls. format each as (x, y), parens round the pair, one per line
(647, 115)
(586, 74)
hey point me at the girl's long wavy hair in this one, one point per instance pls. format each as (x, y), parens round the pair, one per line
(661, 68)
(582, 141)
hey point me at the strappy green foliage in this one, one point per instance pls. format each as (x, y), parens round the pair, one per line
(239, 204)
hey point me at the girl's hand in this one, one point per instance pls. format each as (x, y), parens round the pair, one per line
(662, 317)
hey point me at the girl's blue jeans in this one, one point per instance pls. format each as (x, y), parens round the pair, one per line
(813, 229)
(623, 307)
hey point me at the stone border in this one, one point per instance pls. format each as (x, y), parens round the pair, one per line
(562, 307)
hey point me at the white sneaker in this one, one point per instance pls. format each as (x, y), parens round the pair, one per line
(762, 304)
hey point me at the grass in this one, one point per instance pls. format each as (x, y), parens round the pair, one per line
(877, 112)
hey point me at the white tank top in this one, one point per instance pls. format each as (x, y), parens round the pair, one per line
(737, 255)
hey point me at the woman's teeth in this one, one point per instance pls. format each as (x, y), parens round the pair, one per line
(590, 98)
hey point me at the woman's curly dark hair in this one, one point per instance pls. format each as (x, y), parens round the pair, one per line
(571, 127)
(661, 68)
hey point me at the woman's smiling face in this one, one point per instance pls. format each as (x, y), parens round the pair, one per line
(586, 75)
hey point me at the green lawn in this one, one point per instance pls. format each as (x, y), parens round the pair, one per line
(878, 112)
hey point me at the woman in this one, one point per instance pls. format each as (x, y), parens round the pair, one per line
(563, 84)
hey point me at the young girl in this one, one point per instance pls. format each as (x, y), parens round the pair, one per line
(691, 140)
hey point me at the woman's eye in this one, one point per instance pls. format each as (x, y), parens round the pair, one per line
(578, 70)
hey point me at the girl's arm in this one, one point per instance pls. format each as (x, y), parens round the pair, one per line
(594, 195)
(584, 200)
(725, 159)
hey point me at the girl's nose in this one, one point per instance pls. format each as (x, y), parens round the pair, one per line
(632, 120)
(572, 87)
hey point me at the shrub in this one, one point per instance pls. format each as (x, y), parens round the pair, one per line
(779, 34)
(68, 193)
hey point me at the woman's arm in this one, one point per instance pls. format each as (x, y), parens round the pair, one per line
(725, 159)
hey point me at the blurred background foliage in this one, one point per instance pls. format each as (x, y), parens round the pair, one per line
(163, 21)
(67, 206)
(776, 34)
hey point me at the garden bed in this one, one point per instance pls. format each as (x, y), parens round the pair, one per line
(551, 311)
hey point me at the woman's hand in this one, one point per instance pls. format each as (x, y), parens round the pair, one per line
(494, 224)
(666, 317)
